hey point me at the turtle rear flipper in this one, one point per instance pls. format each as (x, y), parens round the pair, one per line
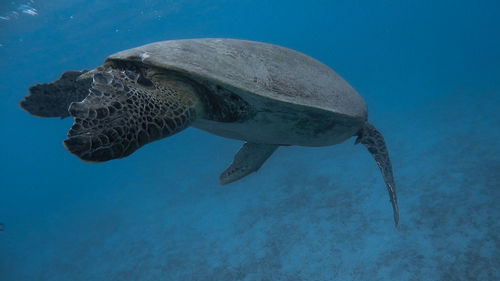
(373, 140)
(249, 159)
(53, 99)
(125, 111)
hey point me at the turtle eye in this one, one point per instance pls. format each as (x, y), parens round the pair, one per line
(144, 81)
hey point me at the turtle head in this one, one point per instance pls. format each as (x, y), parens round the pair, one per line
(126, 109)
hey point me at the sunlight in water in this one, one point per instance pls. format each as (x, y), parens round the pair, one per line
(23, 8)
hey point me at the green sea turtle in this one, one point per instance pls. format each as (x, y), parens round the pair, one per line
(265, 95)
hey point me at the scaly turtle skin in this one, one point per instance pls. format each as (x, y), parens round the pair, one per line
(265, 95)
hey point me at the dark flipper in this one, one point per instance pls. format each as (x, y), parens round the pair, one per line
(374, 142)
(125, 111)
(248, 159)
(53, 99)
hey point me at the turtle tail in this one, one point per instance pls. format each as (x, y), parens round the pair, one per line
(373, 140)
(125, 111)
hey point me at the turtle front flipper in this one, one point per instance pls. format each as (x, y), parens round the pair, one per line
(373, 140)
(249, 159)
(52, 99)
(126, 110)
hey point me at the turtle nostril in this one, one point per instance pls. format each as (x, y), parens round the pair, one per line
(77, 109)
(102, 78)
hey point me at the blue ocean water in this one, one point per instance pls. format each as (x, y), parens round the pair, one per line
(428, 70)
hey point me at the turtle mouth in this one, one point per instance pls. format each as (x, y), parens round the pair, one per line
(122, 112)
(93, 144)
(99, 132)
